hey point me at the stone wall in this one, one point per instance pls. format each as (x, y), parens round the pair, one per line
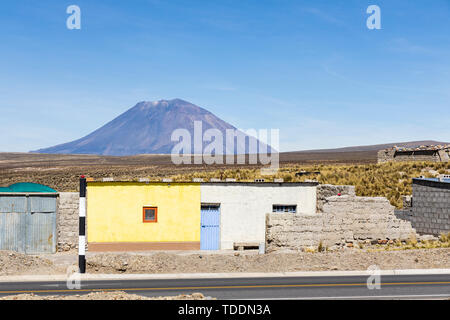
(67, 221)
(444, 155)
(385, 155)
(344, 221)
(431, 155)
(325, 191)
(430, 211)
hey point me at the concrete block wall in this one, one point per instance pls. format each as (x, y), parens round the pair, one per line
(430, 211)
(343, 221)
(67, 221)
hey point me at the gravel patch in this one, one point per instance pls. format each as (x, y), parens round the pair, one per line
(102, 295)
(13, 263)
(273, 262)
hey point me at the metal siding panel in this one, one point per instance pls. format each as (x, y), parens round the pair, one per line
(24, 230)
(43, 204)
(40, 233)
(13, 204)
(12, 223)
(41, 225)
(12, 230)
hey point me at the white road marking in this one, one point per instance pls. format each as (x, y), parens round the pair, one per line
(100, 277)
(360, 297)
(50, 285)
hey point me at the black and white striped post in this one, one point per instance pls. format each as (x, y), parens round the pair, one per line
(82, 228)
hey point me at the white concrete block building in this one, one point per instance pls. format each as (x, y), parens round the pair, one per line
(243, 207)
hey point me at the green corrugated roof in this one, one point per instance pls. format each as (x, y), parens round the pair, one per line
(27, 187)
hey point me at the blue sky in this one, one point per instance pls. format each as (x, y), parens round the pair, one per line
(310, 68)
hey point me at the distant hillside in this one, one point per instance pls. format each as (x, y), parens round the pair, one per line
(375, 147)
(146, 128)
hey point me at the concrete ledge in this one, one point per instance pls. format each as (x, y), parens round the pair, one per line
(93, 277)
(142, 246)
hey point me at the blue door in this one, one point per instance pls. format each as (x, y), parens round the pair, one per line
(210, 227)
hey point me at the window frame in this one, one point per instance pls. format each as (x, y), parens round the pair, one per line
(285, 206)
(143, 214)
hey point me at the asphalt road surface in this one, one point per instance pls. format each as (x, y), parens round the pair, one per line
(324, 287)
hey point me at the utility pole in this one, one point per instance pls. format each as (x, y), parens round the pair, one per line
(82, 227)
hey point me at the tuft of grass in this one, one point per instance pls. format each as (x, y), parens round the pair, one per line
(310, 250)
(444, 237)
(321, 247)
(412, 241)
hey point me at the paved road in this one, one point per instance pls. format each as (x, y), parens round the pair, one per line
(324, 287)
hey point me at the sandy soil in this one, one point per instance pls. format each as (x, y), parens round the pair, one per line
(13, 263)
(102, 295)
(163, 262)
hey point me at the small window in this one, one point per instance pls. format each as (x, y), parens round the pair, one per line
(150, 214)
(284, 208)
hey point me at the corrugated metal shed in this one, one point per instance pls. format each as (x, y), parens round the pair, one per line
(28, 218)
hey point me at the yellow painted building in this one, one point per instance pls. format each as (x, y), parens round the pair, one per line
(143, 216)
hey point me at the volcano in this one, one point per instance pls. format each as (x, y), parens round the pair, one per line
(147, 128)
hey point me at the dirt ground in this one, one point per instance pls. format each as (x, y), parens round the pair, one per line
(248, 261)
(13, 263)
(102, 295)
(272, 262)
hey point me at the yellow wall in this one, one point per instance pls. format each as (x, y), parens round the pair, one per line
(114, 212)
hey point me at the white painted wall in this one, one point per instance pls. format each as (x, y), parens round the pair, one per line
(243, 207)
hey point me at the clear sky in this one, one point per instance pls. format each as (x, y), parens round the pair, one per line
(310, 68)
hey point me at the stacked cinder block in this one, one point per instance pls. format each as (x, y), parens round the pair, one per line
(67, 220)
(430, 213)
